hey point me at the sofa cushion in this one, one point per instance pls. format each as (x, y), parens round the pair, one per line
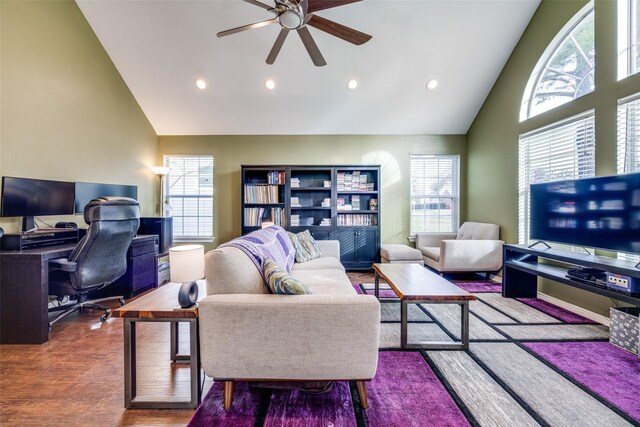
(280, 282)
(323, 282)
(305, 245)
(229, 270)
(322, 263)
(478, 231)
(399, 253)
(433, 253)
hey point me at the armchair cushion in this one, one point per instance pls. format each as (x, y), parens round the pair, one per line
(280, 282)
(478, 231)
(433, 253)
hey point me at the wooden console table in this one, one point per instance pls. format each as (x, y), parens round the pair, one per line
(161, 305)
(414, 284)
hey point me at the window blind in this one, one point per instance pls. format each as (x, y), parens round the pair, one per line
(189, 191)
(561, 151)
(629, 142)
(434, 193)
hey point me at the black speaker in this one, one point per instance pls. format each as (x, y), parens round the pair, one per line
(160, 226)
(71, 225)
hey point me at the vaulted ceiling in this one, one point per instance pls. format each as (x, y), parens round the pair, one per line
(162, 47)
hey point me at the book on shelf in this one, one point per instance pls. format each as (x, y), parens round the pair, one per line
(253, 216)
(275, 177)
(295, 182)
(326, 203)
(265, 193)
(327, 184)
(355, 203)
(357, 219)
(295, 202)
(326, 222)
(339, 202)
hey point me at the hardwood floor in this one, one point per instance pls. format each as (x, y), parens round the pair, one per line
(76, 379)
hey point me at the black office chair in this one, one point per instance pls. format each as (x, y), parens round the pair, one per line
(99, 258)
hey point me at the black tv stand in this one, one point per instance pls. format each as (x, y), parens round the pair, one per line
(521, 268)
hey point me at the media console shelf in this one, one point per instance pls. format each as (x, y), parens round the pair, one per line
(522, 266)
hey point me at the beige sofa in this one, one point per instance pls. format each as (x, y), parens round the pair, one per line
(249, 334)
(475, 247)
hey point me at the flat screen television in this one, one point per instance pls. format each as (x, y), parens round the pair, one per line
(27, 198)
(86, 191)
(601, 213)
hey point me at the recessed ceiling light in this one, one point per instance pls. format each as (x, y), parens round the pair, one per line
(352, 84)
(432, 84)
(201, 84)
(270, 84)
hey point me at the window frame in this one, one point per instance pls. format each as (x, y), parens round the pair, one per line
(455, 196)
(524, 181)
(166, 197)
(627, 38)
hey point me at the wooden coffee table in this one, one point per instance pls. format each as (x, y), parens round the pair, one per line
(160, 305)
(414, 284)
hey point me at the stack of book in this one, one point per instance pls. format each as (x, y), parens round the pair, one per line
(326, 203)
(275, 177)
(295, 202)
(253, 217)
(355, 203)
(261, 194)
(295, 220)
(326, 222)
(354, 181)
(295, 182)
(327, 184)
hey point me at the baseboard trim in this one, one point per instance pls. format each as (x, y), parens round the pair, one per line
(575, 309)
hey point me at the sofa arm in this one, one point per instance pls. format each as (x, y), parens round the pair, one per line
(432, 240)
(329, 248)
(286, 337)
(471, 255)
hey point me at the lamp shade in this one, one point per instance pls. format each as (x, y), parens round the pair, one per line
(186, 263)
(160, 170)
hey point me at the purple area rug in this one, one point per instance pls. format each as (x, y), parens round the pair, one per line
(555, 311)
(242, 412)
(603, 368)
(406, 392)
(292, 408)
(384, 293)
(479, 287)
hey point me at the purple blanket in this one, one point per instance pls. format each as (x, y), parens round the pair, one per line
(271, 242)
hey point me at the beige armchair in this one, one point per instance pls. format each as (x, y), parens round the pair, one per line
(475, 247)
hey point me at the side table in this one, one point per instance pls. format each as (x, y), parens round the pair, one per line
(160, 305)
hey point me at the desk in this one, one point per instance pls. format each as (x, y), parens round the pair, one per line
(24, 294)
(24, 290)
(160, 305)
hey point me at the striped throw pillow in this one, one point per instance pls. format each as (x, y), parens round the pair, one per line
(280, 282)
(305, 245)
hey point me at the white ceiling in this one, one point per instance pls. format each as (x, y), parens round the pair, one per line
(161, 47)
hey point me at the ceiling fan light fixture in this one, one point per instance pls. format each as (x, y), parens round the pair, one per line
(270, 84)
(290, 19)
(432, 84)
(201, 84)
(352, 84)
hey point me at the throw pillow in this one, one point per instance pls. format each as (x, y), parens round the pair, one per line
(280, 282)
(305, 245)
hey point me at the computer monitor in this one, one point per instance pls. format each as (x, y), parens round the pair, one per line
(86, 191)
(27, 198)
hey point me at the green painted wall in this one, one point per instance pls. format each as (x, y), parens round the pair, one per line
(389, 151)
(66, 113)
(493, 137)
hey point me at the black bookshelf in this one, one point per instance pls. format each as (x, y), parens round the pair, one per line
(324, 199)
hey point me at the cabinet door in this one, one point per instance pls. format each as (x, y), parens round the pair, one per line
(347, 238)
(321, 234)
(366, 247)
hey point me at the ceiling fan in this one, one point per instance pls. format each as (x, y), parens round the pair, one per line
(296, 15)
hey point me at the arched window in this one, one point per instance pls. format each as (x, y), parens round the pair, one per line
(565, 70)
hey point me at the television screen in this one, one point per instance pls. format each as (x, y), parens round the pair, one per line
(86, 191)
(34, 197)
(599, 212)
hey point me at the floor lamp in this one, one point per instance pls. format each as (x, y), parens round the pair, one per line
(161, 171)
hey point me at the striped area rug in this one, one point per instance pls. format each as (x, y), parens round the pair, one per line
(530, 363)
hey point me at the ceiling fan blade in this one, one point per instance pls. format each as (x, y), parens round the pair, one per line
(259, 4)
(338, 30)
(275, 50)
(247, 27)
(312, 47)
(316, 5)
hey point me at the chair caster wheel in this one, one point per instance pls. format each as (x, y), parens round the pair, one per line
(121, 302)
(104, 317)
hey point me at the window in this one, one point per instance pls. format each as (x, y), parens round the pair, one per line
(563, 150)
(189, 190)
(628, 38)
(565, 70)
(629, 143)
(434, 193)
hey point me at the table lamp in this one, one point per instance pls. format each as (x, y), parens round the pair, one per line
(186, 265)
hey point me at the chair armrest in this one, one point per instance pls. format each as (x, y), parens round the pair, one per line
(471, 255)
(432, 240)
(63, 264)
(286, 337)
(329, 248)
